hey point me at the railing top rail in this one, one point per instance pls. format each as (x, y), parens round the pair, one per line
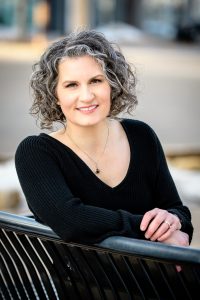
(128, 246)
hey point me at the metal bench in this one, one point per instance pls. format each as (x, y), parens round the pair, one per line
(36, 264)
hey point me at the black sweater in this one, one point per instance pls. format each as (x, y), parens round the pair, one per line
(63, 193)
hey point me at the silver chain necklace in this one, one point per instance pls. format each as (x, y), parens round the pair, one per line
(97, 170)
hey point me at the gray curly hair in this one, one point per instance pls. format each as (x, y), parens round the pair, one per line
(44, 78)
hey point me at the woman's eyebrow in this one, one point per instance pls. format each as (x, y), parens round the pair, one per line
(93, 77)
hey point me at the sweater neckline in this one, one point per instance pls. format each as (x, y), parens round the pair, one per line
(90, 172)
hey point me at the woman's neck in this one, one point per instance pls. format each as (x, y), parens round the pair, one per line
(88, 138)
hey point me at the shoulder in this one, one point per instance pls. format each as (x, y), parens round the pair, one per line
(30, 141)
(144, 139)
(32, 146)
(138, 127)
(141, 134)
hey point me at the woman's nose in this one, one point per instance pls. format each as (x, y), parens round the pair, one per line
(86, 94)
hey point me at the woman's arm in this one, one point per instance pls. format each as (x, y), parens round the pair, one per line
(52, 202)
(170, 215)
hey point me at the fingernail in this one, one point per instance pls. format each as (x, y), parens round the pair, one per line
(178, 268)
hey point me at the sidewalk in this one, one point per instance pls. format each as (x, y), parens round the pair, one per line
(21, 51)
(28, 51)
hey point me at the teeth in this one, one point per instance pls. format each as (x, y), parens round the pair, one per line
(87, 108)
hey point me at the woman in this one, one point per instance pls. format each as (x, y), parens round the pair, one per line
(98, 175)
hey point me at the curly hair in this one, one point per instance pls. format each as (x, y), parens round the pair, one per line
(85, 42)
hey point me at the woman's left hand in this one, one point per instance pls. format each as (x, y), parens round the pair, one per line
(159, 224)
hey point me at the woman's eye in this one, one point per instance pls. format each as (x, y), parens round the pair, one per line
(70, 85)
(96, 80)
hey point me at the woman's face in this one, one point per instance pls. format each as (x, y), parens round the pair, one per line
(83, 91)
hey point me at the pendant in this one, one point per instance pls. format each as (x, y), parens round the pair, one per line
(97, 171)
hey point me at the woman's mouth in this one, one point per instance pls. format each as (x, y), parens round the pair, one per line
(87, 109)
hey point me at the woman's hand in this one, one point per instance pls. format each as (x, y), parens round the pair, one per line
(159, 224)
(178, 238)
(164, 227)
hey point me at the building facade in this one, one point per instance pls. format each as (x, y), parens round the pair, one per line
(22, 19)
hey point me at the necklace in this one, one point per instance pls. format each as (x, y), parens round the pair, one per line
(95, 162)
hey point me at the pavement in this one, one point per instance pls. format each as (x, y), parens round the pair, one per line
(168, 92)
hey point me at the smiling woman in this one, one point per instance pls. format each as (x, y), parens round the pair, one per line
(98, 175)
(83, 91)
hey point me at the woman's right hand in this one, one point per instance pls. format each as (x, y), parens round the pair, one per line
(178, 238)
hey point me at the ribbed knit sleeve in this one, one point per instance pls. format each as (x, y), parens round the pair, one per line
(167, 195)
(51, 201)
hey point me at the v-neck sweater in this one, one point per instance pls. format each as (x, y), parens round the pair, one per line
(64, 193)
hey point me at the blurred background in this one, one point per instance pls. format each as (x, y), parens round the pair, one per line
(160, 38)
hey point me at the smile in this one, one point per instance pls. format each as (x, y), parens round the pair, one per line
(88, 108)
